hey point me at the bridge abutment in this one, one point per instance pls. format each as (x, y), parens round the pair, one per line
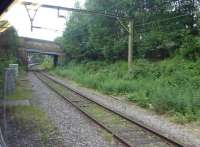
(55, 60)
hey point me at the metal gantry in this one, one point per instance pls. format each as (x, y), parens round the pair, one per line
(92, 12)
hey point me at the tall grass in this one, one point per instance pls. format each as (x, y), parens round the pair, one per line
(168, 87)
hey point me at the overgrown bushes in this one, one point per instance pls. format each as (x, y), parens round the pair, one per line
(190, 47)
(47, 63)
(168, 87)
(165, 32)
(9, 44)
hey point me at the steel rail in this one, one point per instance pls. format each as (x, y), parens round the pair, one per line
(86, 114)
(171, 140)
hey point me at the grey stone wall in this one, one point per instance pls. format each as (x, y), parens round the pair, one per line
(9, 81)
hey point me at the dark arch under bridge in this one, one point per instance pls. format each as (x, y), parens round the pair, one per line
(31, 45)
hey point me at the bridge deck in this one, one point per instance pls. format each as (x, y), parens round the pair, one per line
(40, 51)
(40, 46)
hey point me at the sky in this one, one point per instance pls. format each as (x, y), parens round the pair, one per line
(46, 18)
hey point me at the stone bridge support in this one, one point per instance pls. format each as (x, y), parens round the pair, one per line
(55, 60)
(58, 59)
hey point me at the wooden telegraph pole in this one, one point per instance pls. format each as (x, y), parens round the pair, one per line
(130, 31)
(130, 45)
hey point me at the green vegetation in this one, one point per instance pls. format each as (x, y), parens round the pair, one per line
(21, 93)
(34, 120)
(169, 87)
(105, 116)
(162, 28)
(98, 113)
(23, 88)
(30, 120)
(9, 44)
(165, 75)
(47, 63)
(106, 135)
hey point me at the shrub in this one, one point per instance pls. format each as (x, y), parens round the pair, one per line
(168, 86)
(9, 44)
(190, 47)
(140, 97)
(47, 63)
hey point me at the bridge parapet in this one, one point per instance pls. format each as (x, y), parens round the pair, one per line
(43, 45)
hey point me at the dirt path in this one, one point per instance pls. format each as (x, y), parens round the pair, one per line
(76, 129)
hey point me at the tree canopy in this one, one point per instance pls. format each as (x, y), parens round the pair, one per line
(9, 44)
(162, 28)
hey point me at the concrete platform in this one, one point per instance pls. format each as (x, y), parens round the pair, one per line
(15, 102)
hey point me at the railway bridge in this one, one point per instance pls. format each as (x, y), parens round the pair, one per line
(29, 46)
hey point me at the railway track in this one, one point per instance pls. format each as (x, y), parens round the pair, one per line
(122, 128)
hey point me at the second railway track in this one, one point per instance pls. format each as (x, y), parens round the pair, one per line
(126, 131)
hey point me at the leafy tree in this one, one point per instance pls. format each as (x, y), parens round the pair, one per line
(9, 44)
(160, 28)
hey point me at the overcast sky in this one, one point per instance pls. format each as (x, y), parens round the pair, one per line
(46, 18)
